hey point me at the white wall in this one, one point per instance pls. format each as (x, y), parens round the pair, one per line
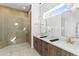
(47, 6)
(35, 18)
(35, 21)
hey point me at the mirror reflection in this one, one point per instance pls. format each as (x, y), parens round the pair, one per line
(70, 24)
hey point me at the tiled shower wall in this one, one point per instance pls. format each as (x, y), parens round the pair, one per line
(13, 29)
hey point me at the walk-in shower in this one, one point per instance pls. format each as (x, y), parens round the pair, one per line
(13, 29)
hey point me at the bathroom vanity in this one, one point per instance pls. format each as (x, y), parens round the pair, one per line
(45, 48)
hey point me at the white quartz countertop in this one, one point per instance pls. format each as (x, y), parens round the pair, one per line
(61, 43)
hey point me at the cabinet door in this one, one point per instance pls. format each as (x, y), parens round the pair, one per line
(54, 51)
(65, 53)
(58, 51)
(45, 48)
(36, 43)
(40, 46)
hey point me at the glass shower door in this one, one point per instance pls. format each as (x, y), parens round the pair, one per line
(13, 29)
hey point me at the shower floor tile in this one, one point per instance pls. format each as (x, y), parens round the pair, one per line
(18, 50)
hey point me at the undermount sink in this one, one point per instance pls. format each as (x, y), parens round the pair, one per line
(43, 36)
(52, 39)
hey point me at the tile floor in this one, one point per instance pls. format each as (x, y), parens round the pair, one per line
(18, 50)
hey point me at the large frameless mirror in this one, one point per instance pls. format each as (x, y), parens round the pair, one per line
(70, 24)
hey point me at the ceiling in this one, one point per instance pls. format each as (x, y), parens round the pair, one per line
(19, 6)
(47, 6)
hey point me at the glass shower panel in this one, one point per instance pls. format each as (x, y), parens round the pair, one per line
(20, 30)
(3, 31)
(17, 31)
(13, 29)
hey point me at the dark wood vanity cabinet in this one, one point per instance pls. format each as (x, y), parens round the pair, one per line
(35, 43)
(38, 45)
(54, 51)
(41, 46)
(66, 53)
(46, 49)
